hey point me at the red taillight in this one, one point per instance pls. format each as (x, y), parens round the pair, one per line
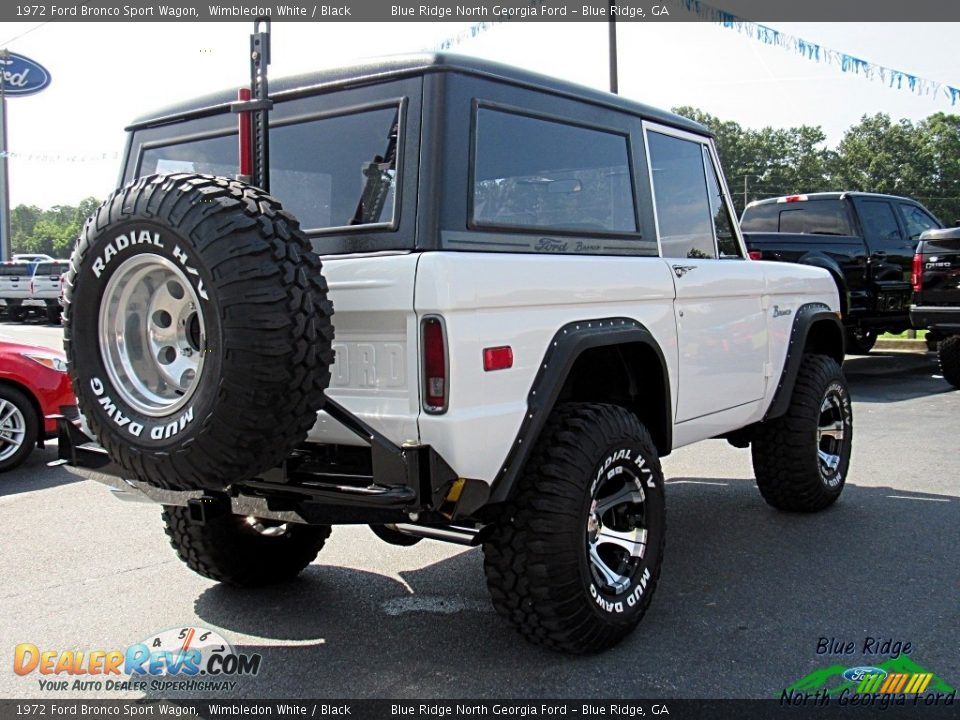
(917, 275)
(755, 254)
(435, 386)
(497, 358)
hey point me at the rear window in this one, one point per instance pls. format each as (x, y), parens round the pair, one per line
(19, 269)
(51, 269)
(332, 172)
(817, 217)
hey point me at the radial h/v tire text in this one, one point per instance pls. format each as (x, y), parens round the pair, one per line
(197, 329)
(801, 458)
(243, 551)
(574, 559)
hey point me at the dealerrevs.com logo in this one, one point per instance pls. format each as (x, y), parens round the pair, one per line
(180, 659)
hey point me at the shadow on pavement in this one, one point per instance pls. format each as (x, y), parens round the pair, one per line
(746, 594)
(893, 377)
(34, 473)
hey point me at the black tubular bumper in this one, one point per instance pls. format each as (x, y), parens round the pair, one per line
(379, 484)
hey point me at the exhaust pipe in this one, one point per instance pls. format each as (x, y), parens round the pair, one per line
(447, 533)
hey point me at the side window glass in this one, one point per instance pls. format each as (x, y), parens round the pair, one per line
(727, 243)
(540, 174)
(879, 223)
(916, 220)
(684, 215)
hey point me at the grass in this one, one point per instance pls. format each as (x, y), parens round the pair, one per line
(921, 334)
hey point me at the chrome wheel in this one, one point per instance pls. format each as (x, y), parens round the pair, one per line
(616, 532)
(13, 429)
(152, 335)
(830, 437)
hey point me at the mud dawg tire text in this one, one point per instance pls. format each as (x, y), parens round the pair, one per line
(197, 330)
(243, 551)
(575, 557)
(801, 459)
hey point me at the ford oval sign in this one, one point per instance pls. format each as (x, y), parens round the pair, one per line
(22, 76)
(857, 674)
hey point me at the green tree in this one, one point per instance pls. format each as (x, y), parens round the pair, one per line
(768, 162)
(53, 231)
(879, 155)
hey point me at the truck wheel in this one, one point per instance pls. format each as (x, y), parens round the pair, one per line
(197, 330)
(243, 551)
(18, 313)
(19, 426)
(53, 315)
(949, 355)
(860, 342)
(801, 458)
(575, 557)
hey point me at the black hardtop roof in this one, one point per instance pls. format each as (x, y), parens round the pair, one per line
(385, 68)
(837, 195)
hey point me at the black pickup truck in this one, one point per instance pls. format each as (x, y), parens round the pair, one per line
(936, 296)
(865, 240)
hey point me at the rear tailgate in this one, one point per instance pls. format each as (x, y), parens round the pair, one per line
(375, 373)
(940, 268)
(45, 284)
(15, 281)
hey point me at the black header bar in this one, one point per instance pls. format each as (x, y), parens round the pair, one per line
(484, 11)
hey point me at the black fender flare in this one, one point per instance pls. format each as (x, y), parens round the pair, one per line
(821, 260)
(562, 352)
(808, 316)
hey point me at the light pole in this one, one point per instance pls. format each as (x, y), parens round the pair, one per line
(612, 34)
(745, 177)
(4, 176)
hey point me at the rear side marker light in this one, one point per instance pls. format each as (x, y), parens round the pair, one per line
(435, 375)
(497, 358)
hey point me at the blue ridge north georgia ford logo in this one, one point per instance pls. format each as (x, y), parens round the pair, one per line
(21, 75)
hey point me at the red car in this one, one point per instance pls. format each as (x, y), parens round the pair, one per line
(33, 384)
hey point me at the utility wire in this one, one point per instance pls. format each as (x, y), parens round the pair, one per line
(23, 34)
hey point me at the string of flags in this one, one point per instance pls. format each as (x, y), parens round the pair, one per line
(466, 34)
(891, 77)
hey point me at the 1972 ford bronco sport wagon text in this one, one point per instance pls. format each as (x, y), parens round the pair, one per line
(539, 290)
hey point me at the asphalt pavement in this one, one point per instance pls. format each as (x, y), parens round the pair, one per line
(747, 593)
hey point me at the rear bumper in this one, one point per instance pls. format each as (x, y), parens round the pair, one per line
(935, 317)
(408, 484)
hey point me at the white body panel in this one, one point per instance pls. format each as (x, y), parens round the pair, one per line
(375, 373)
(715, 325)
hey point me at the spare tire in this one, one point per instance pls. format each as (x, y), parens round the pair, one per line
(197, 330)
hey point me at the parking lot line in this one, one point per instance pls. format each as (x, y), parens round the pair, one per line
(910, 497)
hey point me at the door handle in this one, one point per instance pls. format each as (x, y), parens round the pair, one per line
(681, 270)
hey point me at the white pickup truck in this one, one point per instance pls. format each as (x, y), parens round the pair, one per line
(537, 290)
(27, 287)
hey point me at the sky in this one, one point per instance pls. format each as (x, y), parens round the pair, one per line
(69, 136)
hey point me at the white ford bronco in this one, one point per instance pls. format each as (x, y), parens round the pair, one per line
(489, 303)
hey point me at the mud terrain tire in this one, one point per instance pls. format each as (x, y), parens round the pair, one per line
(197, 330)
